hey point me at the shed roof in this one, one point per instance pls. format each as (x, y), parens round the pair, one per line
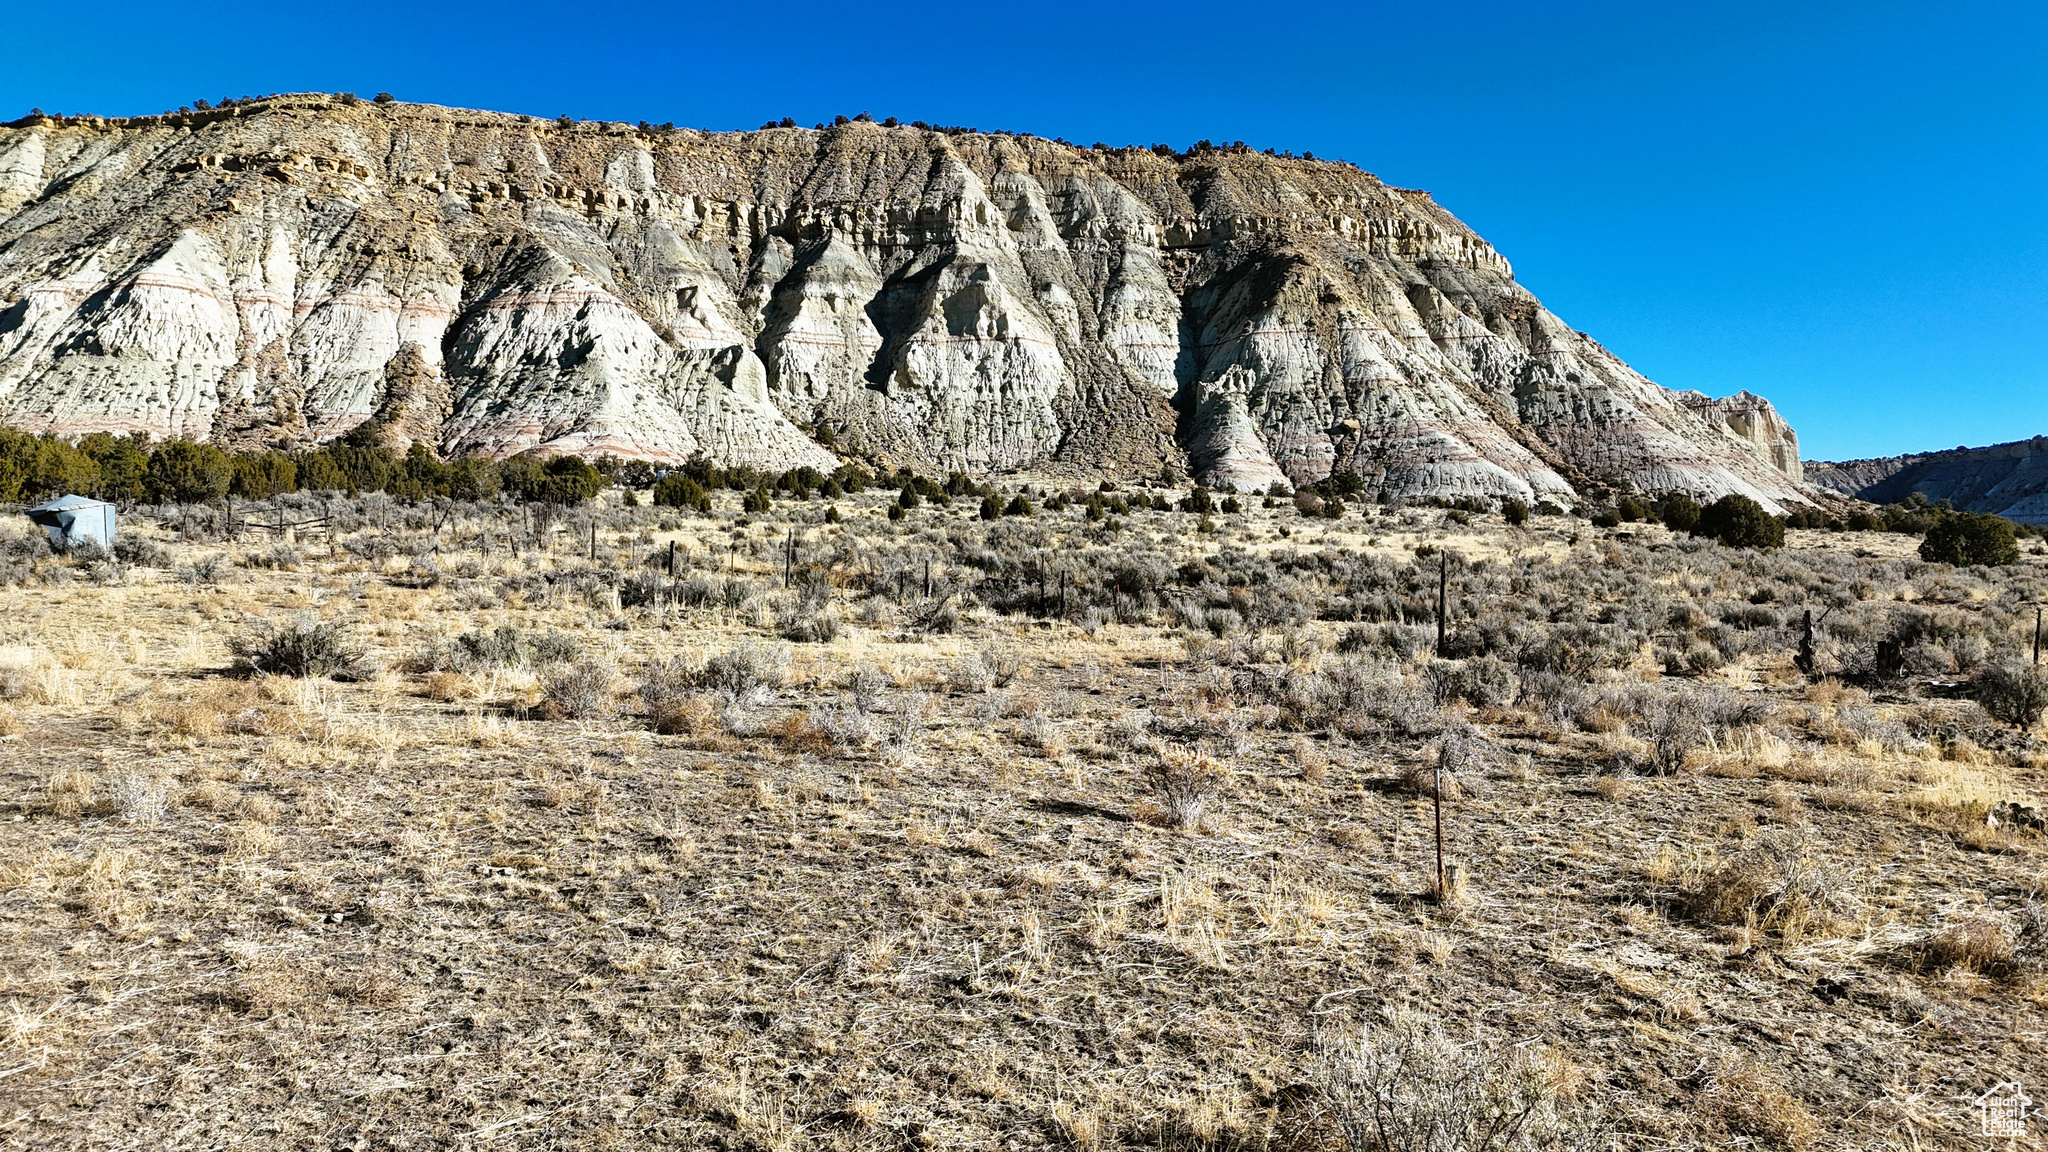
(66, 503)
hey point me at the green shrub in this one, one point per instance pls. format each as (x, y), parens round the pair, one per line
(1514, 512)
(676, 490)
(1970, 538)
(757, 501)
(1740, 522)
(123, 464)
(1018, 506)
(1680, 513)
(1631, 510)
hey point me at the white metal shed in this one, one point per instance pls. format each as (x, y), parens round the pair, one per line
(75, 520)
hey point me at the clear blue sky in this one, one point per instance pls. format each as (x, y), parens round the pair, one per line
(1840, 206)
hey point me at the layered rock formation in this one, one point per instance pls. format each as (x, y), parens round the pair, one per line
(2008, 479)
(285, 269)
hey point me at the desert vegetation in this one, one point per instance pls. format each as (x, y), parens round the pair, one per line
(876, 810)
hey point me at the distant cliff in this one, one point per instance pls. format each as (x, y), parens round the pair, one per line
(282, 270)
(2008, 479)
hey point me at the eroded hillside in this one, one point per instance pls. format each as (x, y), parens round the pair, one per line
(288, 268)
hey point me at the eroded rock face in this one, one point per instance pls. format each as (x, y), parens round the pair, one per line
(2010, 480)
(284, 270)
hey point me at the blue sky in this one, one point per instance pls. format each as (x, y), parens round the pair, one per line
(1843, 207)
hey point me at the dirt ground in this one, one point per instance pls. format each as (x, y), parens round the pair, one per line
(929, 891)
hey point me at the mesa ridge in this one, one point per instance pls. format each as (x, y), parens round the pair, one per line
(282, 270)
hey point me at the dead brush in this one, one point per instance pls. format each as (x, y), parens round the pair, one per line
(1675, 726)
(902, 736)
(668, 694)
(1004, 665)
(1352, 838)
(1404, 1085)
(798, 734)
(1186, 782)
(1456, 764)
(1750, 1101)
(72, 792)
(846, 727)
(304, 647)
(746, 668)
(867, 685)
(371, 987)
(1040, 733)
(214, 709)
(1314, 765)
(1976, 944)
(451, 687)
(139, 799)
(1131, 731)
(1785, 882)
(970, 676)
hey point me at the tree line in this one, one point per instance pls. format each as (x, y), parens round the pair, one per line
(132, 469)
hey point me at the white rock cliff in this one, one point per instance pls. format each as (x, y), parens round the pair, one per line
(283, 270)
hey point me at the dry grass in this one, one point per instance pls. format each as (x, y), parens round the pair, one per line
(1022, 884)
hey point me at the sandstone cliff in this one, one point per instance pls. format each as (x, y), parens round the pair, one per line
(2008, 479)
(285, 269)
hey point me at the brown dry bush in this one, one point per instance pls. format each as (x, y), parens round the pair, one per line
(73, 792)
(1749, 1100)
(1782, 881)
(1186, 782)
(451, 687)
(667, 692)
(222, 707)
(1404, 1085)
(1972, 944)
(798, 734)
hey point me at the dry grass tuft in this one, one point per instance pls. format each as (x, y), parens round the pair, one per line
(1783, 882)
(1746, 1098)
(1975, 944)
(452, 687)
